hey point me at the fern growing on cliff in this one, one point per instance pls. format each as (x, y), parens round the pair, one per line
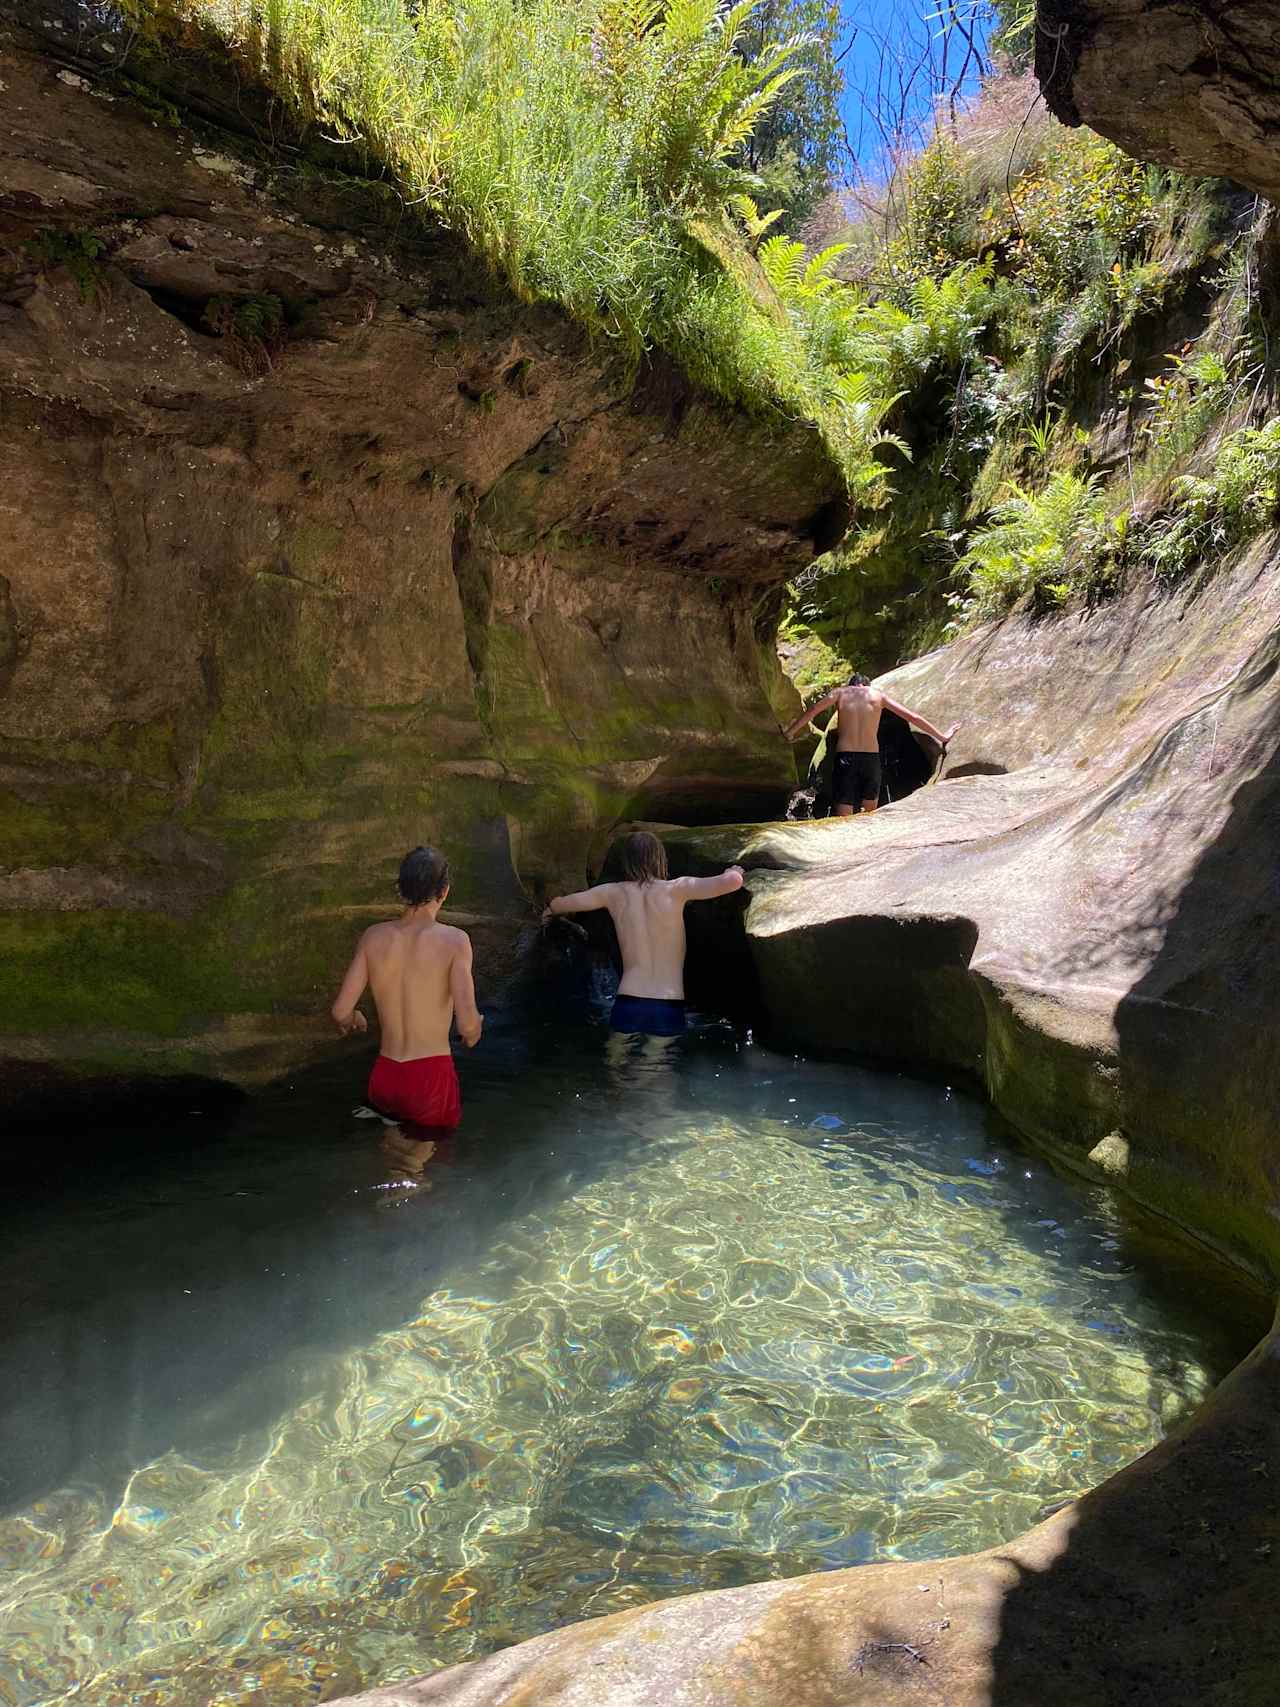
(1025, 548)
(1215, 512)
(677, 86)
(938, 327)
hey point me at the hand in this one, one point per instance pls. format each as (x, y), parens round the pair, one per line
(547, 914)
(949, 733)
(739, 869)
(470, 1034)
(356, 1022)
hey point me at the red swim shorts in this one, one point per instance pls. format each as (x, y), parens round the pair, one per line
(423, 1092)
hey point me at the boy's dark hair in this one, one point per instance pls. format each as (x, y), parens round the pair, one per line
(857, 680)
(424, 876)
(644, 859)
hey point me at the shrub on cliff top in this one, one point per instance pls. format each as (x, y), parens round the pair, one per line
(587, 148)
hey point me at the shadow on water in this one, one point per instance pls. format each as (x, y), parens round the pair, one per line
(170, 1283)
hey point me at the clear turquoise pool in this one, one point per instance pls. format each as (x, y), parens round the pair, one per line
(280, 1418)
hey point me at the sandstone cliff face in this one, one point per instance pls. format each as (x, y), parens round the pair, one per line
(1187, 83)
(316, 544)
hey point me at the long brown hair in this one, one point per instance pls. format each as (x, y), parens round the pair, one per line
(644, 859)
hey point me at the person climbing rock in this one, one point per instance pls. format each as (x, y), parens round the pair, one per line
(855, 782)
(647, 909)
(420, 973)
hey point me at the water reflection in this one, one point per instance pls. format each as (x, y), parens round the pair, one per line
(676, 1323)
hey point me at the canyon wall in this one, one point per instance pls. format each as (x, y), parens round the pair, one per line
(317, 544)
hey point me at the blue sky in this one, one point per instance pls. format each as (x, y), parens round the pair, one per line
(896, 61)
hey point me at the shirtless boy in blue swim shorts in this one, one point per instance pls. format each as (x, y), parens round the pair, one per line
(647, 909)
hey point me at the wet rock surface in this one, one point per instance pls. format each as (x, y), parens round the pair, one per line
(316, 545)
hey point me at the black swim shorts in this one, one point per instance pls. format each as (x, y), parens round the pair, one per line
(856, 778)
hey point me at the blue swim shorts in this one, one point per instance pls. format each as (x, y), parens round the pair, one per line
(649, 1015)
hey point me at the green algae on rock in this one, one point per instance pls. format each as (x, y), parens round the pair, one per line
(262, 630)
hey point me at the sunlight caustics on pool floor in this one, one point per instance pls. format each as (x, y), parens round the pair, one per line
(678, 1327)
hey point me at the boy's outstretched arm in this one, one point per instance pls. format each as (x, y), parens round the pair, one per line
(346, 1015)
(942, 737)
(585, 901)
(466, 1015)
(707, 888)
(815, 710)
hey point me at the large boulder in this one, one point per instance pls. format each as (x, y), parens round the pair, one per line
(314, 544)
(1192, 85)
(1083, 915)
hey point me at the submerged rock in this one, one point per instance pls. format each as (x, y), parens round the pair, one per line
(318, 544)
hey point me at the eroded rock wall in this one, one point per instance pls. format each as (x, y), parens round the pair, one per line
(1083, 915)
(315, 544)
(1190, 83)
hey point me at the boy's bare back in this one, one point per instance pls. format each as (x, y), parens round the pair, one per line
(647, 909)
(858, 725)
(419, 971)
(649, 920)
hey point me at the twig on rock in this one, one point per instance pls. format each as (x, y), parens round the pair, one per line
(888, 1648)
(913, 1651)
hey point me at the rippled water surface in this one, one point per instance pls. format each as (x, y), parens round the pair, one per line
(275, 1425)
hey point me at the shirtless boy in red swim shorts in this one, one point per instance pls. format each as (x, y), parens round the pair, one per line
(420, 973)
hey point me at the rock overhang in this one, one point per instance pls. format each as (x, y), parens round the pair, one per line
(1191, 85)
(327, 545)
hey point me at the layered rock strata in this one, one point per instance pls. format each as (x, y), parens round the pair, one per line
(317, 544)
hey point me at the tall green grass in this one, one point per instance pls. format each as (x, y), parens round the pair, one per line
(585, 147)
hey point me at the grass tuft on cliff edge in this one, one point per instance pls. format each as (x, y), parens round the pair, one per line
(587, 149)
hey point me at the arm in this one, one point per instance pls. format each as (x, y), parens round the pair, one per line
(815, 710)
(585, 901)
(346, 1015)
(707, 888)
(466, 1015)
(920, 722)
